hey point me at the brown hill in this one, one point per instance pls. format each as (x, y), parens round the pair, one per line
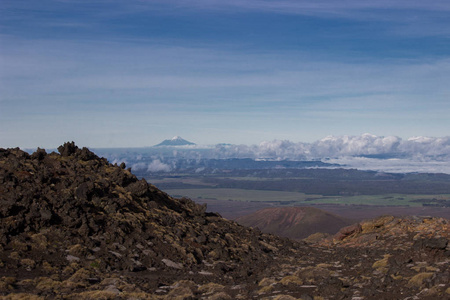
(294, 222)
(73, 226)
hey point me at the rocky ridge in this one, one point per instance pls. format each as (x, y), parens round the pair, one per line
(74, 226)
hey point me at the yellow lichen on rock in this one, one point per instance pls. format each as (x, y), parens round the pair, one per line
(418, 279)
(382, 264)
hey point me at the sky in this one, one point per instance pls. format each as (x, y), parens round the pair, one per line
(107, 73)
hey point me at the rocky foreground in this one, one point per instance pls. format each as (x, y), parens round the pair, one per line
(73, 226)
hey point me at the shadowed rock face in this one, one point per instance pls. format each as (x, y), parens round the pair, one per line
(293, 222)
(74, 226)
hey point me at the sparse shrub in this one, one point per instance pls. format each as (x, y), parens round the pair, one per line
(23, 296)
(180, 293)
(5, 283)
(47, 267)
(19, 246)
(267, 282)
(219, 296)
(47, 284)
(312, 274)
(186, 283)
(210, 288)
(80, 275)
(266, 289)
(39, 241)
(95, 264)
(285, 297)
(14, 255)
(291, 279)
(94, 295)
(28, 263)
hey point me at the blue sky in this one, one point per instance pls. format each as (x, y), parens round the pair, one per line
(133, 73)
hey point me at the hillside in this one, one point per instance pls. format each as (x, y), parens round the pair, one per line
(74, 226)
(294, 222)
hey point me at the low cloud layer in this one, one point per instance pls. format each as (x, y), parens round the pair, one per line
(342, 146)
(158, 166)
(393, 165)
(364, 152)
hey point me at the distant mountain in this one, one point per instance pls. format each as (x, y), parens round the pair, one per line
(294, 222)
(175, 141)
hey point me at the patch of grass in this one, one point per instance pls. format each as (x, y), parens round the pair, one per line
(95, 264)
(296, 198)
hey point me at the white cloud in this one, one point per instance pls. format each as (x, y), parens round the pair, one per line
(139, 166)
(408, 165)
(417, 154)
(340, 146)
(158, 166)
(365, 144)
(427, 146)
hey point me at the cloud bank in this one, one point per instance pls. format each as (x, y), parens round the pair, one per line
(158, 166)
(342, 146)
(364, 152)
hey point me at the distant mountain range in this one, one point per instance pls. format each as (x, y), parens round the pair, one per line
(175, 141)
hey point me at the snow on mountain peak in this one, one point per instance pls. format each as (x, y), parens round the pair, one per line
(175, 141)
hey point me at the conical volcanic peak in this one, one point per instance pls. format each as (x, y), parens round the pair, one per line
(175, 141)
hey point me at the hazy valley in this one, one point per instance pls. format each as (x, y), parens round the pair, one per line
(236, 180)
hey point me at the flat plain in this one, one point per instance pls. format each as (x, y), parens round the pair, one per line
(357, 196)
